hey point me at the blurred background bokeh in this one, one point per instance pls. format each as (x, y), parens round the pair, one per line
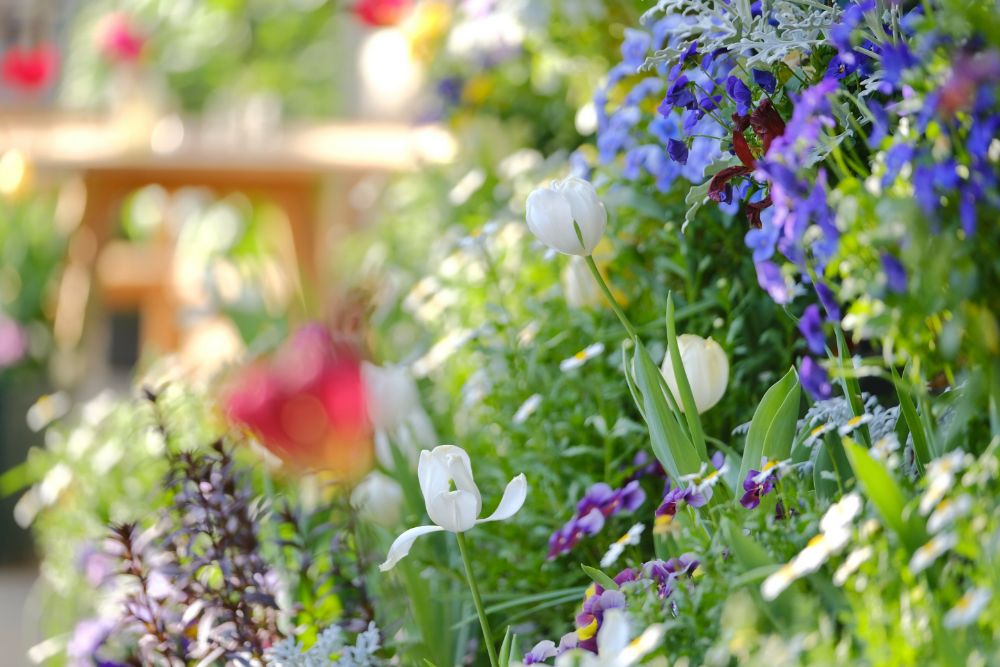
(175, 176)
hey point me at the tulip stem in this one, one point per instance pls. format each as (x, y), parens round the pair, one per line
(611, 298)
(478, 601)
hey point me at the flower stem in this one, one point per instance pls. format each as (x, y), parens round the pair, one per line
(487, 634)
(611, 298)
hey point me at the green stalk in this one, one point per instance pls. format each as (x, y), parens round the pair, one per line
(483, 621)
(610, 297)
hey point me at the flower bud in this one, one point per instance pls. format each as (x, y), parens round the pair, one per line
(555, 212)
(378, 499)
(706, 367)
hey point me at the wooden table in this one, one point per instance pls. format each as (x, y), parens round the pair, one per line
(288, 167)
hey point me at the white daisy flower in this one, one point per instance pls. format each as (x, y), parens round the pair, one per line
(925, 556)
(630, 538)
(818, 433)
(854, 560)
(948, 511)
(47, 409)
(581, 357)
(840, 515)
(527, 408)
(854, 423)
(967, 609)
(940, 478)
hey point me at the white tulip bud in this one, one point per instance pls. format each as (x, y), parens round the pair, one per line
(706, 367)
(378, 499)
(557, 211)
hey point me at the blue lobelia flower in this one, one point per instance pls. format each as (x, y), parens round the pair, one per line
(762, 240)
(678, 151)
(814, 379)
(811, 326)
(678, 96)
(829, 302)
(765, 79)
(895, 274)
(635, 46)
(770, 278)
(740, 94)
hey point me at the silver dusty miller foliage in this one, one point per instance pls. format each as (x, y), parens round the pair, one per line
(798, 25)
(329, 650)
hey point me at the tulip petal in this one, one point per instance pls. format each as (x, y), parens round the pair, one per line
(550, 219)
(513, 499)
(455, 511)
(403, 543)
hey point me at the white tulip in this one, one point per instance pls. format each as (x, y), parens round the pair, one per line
(378, 499)
(706, 367)
(452, 498)
(579, 286)
(390, 393)
(565, 212)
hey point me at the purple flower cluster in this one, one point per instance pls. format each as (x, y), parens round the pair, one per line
(598, 503)
(660, 574)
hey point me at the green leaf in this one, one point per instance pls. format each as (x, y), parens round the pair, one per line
(599, 577)
(683, 386)
(781, 433)
(506, 647)
(771, 406)
(887, 496)
(670, 444)
(912, 420)
(754, 559)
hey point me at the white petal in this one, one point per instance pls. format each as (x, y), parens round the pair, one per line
(513, 499)
(551, 220)
(455, 511)
(403, 543)
(588, 211)
(647, 642)
(613, 635)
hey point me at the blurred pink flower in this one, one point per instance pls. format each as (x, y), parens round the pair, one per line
(307, 404)
(119, 38)
(381, 12)
(13, 342)
(30, 69)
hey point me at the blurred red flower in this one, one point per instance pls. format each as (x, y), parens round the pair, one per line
(30, 69)
(307, 404)
(119, 38)
(381, 12)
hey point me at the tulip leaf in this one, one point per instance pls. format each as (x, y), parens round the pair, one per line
(771, 408)
(912, 420)
(752, 557)
(781, 433)
(886, 494)
(683, 385)
(506, 647)
(670, 444)
(599, 577)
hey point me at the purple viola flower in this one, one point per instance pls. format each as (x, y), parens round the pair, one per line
(895, 274)
(625, 576)
(811, 326)
(541, 652)
(598, 495)
(674, 497)
(740, 94)
(630, 497)
(678, 151)
(769, 277)
(686, 563)
(635, 46)
(718, 460)
(591, 522)
(756, 485)
(814, 379)
(765, 79)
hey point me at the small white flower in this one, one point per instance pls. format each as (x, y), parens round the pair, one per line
(854, 560)
(567, 216)
(527, 408)
(706, 368)
(581, 357)
(630, 538)
(968, 608)
(453, 509)
(948, 511)
(47, 409)
(840, 515)
(854, 423)
(925, 556)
